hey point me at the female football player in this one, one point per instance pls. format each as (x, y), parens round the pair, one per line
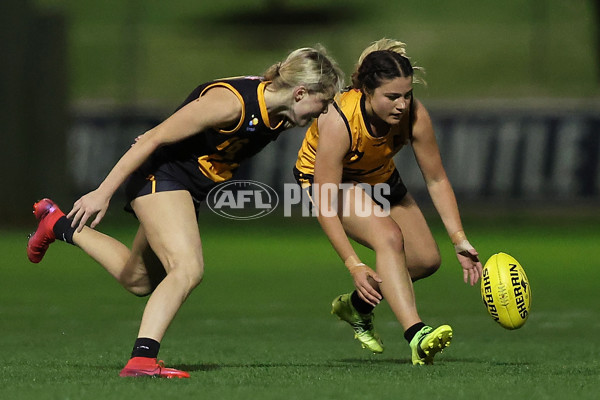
(169, 170)
(353, 144)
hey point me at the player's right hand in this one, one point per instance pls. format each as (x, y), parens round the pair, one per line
(93, 203)
(361, 274)
(469, 260)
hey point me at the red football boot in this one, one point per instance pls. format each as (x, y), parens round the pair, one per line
(47, 213)
(143, 366)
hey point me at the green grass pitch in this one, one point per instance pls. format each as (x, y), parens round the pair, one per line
(259, 326)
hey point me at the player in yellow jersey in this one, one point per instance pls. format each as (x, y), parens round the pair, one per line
(168, 171)
(353, 144)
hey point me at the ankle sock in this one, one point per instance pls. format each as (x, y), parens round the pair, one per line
(63, 230)
(359, 304)
(413, 330)
(145, 347)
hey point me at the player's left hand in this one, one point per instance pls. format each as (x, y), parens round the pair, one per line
(469, 260)
(95, 203)
(363, 275)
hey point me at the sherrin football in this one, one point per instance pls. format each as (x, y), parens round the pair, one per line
(505, 291)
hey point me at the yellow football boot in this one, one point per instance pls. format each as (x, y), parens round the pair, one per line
(428, 342)
(361, 323)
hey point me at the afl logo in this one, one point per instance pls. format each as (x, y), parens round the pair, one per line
(242, 199)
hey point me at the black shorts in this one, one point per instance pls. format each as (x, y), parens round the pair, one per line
(154, 177)
(397, 188)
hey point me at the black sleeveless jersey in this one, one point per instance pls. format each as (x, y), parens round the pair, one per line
(217, 153)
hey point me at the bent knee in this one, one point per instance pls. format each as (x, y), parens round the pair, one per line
(425, 267)
(389, 239)
(137, 283)
(188, 273)
(432, 266)
(141, 287)
(187, 277)
(194, 276)
(141, 292)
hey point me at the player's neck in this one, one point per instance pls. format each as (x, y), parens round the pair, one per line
(278, 103)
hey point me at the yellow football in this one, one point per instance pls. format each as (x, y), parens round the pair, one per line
(505, 291)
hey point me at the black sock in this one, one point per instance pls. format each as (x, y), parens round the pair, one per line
(412, 331)
(359, 304)
(63, 230)
(145, 347)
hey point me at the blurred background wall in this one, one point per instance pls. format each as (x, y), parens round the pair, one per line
(513, 87)
(34, 113)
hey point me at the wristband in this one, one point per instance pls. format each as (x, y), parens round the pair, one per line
(353, 261)
(458, 237)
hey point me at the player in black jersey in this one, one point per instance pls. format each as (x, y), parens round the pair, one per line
(169, 170)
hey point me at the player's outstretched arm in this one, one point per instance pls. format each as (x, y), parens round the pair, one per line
(333, 145)
(217, 108)
(430, 162)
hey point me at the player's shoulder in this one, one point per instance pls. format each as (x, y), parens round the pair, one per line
(420, 115)
(419, 108)
(221, 103)
(347, 106)
(333, 121)
(240, 85)
(348, 97)
(221, 94)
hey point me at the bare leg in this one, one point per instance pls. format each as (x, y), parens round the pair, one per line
(170, 226)
(422, 253)
(384, 236)
(137, 270)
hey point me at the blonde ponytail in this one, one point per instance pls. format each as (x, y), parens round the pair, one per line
(395, 46)
(384, 44)
(309, 67)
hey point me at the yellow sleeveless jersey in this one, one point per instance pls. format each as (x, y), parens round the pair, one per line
(369, 159)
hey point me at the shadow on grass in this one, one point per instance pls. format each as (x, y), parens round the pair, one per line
(343, 363)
